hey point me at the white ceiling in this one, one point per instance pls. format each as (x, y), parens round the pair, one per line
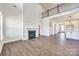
(16, 5)
(11, 9)
(49, 5)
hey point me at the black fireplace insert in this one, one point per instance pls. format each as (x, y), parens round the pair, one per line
(31, 34)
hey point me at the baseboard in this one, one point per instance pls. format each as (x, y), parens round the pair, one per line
(9, 39)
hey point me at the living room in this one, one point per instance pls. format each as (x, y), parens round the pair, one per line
(35, 29)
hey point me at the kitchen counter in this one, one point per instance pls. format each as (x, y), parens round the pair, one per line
(72, 35)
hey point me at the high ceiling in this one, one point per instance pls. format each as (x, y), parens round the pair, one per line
(49, 5)
(15, 5)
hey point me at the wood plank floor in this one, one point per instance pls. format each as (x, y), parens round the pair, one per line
(42, 46)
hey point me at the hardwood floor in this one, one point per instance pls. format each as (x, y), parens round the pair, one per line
(42, 46)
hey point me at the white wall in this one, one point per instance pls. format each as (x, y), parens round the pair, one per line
(15, 22)
(54, 27)
(12, 21)
(1, 22)
(57, 28)
(45, 28)
(31, 17)
(49, 27)
(1, 26)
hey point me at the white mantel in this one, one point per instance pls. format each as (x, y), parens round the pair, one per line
(25, 35)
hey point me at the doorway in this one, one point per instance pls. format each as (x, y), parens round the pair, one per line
(61, 28)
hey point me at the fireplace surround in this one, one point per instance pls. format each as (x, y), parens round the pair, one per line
(28, 32)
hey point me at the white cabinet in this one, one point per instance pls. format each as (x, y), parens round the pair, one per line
(72, 35)
(72, 29)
